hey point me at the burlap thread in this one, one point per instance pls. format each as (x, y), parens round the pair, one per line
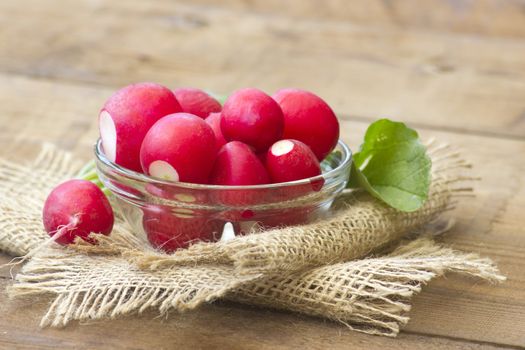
(319, 269)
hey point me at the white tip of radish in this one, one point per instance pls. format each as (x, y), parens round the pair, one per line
(183, 213)
(108, 133)
(163, 170)
(227, 232)
(188, 198)
(282, 147)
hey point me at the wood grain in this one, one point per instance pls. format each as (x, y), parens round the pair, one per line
(480, 17)
(427, 77)
(218, 326)
(489, 224)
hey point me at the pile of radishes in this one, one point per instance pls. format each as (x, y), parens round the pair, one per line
(186, 135)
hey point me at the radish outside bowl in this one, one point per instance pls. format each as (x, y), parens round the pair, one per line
(175, 214)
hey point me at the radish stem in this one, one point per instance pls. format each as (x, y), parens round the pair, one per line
(87, 168)
(89, 173)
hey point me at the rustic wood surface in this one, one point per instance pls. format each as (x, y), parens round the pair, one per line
(453, 69)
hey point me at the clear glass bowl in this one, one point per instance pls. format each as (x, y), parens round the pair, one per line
(174, 214)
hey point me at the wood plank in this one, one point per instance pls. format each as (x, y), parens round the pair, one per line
(491, 224)
(504, 18)
(458, 82)
(36, 111)
(219, 326)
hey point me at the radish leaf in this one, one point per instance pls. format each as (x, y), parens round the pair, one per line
(392, 165)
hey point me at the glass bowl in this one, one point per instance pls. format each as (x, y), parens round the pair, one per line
(175, 214)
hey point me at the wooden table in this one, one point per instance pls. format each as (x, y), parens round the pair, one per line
(453, 69)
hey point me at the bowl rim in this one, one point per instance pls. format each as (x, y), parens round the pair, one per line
(134, 175)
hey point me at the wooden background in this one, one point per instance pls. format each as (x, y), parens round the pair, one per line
(453, 69)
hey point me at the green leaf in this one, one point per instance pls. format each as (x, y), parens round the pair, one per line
(393, 166)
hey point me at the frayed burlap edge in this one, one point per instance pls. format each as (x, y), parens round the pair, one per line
(371, 295)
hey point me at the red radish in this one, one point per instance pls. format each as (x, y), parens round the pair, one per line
(253, 117)
(127, 116)
(262, 157)
(77, 208)
(238, 165)
(309, 119)
(197, 102)
(179, 147)
(171, 229)
(290, 160)
(214, 121)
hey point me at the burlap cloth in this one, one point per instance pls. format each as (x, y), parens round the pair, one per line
(351, 268)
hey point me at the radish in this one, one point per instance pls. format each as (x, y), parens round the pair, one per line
(238, 165)
(170, 229)
(197, 102)
(309, 119)
(262, 157)
(127, 116)
(179, 147)
(290, 160)
(77, 208)
(214, 121)
(253, 117)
